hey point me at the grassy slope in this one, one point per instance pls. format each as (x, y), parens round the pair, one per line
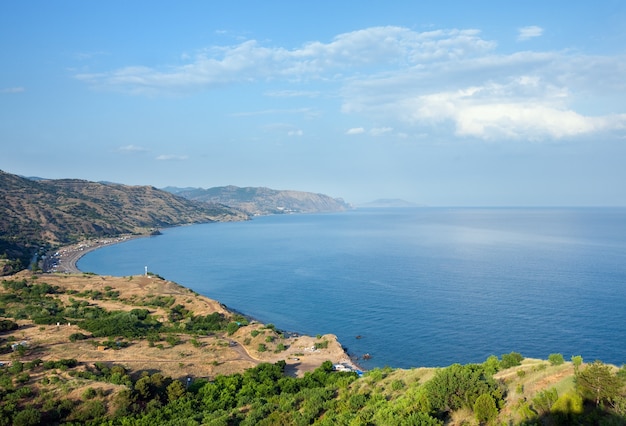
(54, 212)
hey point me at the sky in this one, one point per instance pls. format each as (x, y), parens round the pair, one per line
(447, 103)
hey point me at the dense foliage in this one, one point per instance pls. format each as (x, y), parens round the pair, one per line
(264, 395)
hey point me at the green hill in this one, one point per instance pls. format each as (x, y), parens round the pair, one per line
(37, 213)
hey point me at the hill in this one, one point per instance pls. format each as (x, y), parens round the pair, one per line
(55, 212)
(142, 350)
(263, 201)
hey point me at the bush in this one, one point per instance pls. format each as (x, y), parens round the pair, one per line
(78, 336)
(7, 325)
(485, 409)
(120, 324)
(512, 359)
(567, 405)
(556, 359)
(232, 327)
(397, 384)
(542, 402)
(172, 340)
(321, 345)
(27, 417)
(89, 393)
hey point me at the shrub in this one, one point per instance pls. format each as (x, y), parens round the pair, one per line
(511, 360)
(172, 340)
(262, 347)
(397, 384)
(7, 325)
(568, 405)
(27, 417)
(485, 409)
(232, 327)
(556, 359)
(78, 336)
(321, 345)
(542, 402)
(89, 393)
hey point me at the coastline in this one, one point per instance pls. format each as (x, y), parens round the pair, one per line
(65, 259)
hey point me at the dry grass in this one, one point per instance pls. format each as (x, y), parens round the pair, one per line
(196, 356)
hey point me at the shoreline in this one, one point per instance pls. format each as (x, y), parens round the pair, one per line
(65, 259)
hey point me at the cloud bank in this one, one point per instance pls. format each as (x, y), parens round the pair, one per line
(410, 81)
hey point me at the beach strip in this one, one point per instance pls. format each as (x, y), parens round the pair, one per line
(64, 260)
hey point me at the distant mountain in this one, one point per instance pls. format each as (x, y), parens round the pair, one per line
(263, 201)
(389, 202)
(53, 212)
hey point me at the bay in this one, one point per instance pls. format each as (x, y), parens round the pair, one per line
(417, 286)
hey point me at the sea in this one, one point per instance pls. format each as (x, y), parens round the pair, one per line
(410, 287)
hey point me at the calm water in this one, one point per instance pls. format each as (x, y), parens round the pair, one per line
(423, 287)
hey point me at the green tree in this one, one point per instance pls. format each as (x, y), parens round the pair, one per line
(567, 406)
(556, 359)
(491, 365)
(511, 360)
(577, 360)
(485, 409)
(27, 417)
(598, 383)
(543, 401)
(175, 390)
(459, 386)
(232, 327)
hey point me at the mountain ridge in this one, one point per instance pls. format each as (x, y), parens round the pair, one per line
(48, 212)
(257, 201)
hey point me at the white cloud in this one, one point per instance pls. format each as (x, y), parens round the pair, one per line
(371, 48)
(526, 33)
(167, 157)
(295, 133)
(410, 82)
(132, 148)
(494, 112)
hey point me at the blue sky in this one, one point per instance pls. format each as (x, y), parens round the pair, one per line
(493, 103)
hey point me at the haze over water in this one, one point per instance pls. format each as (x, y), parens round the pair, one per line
(421, 287)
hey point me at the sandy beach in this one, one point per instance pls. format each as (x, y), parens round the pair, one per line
(64, 259)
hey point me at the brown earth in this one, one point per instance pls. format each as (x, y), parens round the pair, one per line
(196, 356)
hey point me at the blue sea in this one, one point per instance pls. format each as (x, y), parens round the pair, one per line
(410, 287)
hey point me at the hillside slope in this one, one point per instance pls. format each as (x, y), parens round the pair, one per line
(53, 212)
(263, 201)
